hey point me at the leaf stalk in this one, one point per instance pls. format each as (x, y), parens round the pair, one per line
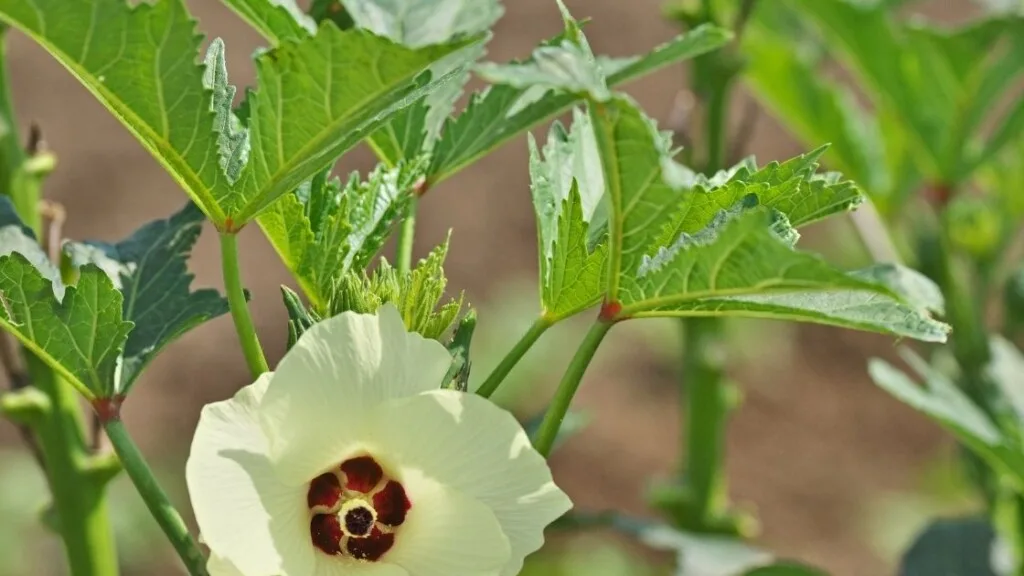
(544, 440)
(239, 306)
(156, 499)
(498, 375)
(406, 239)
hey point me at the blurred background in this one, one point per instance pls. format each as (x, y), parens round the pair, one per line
(839, 473)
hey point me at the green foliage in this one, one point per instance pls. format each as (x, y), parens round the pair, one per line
(941, 400)
(953, 547)
(567, 65)
(150, 270)
(417, 295)
(1013, 297)
(299, 318)
(500, 112)
(324, 230)
(703, 554)
(568, 190)
(297, 122)
(332, 10)
(785, 569)
(278, 20)
(784, 76)
(936, 88)
(681, 244)
(458, 375)
(78, 330)
(417, 24)
(129, 300)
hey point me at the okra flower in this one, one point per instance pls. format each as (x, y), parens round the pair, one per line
(348, 460)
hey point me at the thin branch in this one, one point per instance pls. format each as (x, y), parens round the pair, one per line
(874, 234)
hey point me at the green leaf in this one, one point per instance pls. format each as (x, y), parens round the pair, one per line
(696, 554)
(150, 269)
(416, 24)
(417, 295)
(939, 86)
(943, 402)
(158, 93)
(458, 375)
(299, 318)
(232, 137)
(909, 284)
(816, 110)
(952, 547)
(77, 330)
(705, 554)
(308, 110)
(276, 20)
(1003, 6)
(740, 266)
(568, 65)
(1013, 300)
(682, 244)
(793, 188)
(786, 569)
(322, 231)
(657, 199)
(568, 188)
(332, 10)
(1006, 368)
(499, 113)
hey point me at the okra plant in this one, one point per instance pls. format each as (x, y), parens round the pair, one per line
(362, 451)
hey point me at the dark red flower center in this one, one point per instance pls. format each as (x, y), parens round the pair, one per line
(358, 521)
(355, 510)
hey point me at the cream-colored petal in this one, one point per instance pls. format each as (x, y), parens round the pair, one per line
(468, 443)
(317, 404)
(247, 517)
(328, 566)
(220, 566)
(446, 533)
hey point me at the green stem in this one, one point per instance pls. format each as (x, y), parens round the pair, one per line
(708, 401)
(155, 498)
(11, 153)
(497, 376)
(717, 103)
(77, 485)
(969, 339)
(239, 307)
(552, 423)
(969, 343)
(704, 390)
(78, 496)
(406, 239)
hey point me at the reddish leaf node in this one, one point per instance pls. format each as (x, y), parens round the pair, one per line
(108, 409)
(610, 311)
